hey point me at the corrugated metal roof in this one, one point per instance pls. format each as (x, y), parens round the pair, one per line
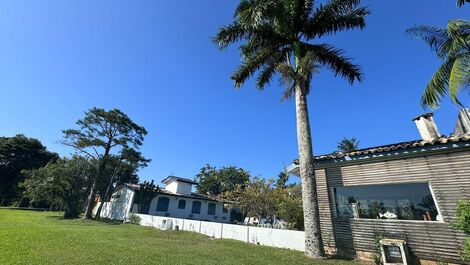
(393, 147)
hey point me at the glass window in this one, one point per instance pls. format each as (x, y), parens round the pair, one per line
(196, 207)
(162, 204)
(211, 209)
(181, 204)
(411, 201)
(225, 209)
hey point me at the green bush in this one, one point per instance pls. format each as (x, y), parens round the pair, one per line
(134, 219)
(462, 223)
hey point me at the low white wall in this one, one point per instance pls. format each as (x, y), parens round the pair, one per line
(250, 234)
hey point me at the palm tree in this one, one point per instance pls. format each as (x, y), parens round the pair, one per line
(348, 145)
(452, 45)
(281, 37)
(462, 2)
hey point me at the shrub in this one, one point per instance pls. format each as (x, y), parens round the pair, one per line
(134, 219)
(462, 213)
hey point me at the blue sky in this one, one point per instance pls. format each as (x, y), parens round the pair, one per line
(154, 61)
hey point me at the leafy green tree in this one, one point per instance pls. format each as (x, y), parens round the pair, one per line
(282, 179)
(16, 154)
(213, 181)
(452, 46)
(290, 208)
(256, 198)
(145, 194)
(62, 182)
(348, 145)
(462, 223)
(283, 37)
(119, 170)
(100, 134)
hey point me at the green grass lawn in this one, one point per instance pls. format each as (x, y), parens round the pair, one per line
(30, 237)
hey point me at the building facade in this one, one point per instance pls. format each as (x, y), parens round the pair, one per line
(175, 200)
(406, 191)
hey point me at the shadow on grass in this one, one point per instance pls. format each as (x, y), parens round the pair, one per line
(103, 220)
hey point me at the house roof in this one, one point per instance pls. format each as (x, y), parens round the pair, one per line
(179, 179)
(193, 195)
(393, 147)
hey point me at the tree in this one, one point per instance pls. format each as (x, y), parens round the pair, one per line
(462, 2)
(256, 198)
(16, 154)
(282, 179)
(281, 36)
(100, 133)
(62, 182)
(452, 45)
(348, 145)
(119, 170)
(213, 181)
(462, 223)
(145, 195)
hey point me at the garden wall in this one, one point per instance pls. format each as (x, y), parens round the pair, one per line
(256, 235)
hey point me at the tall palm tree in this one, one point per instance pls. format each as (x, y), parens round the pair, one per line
(348, 145)
(452, 45)
(462, 2)
(282, 37)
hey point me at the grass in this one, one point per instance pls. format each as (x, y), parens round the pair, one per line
(31, 237)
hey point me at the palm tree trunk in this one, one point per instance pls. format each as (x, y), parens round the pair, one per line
(313, 239)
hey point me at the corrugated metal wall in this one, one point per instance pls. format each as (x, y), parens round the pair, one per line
(449, 177)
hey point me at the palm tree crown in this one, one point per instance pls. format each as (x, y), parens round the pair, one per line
(348, 145)
(452, 45)
(277, 37)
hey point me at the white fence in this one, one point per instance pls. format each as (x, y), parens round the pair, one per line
(255, 235)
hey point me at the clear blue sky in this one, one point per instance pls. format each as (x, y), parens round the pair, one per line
(154, 60)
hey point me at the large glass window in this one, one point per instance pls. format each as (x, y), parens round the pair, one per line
(196, 207)
(162, 204)
(411, 201)
(211, 209)
(181, 204)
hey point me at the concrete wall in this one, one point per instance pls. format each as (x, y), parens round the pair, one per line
(185, 213)
(119, 206)
(256, 235)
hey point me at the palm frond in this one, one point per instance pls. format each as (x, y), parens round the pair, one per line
(459, 32)
(335, 60)
(437, 86)
(251, 64)
(437, 38)
(271, 67)
(462, 2)
(336, 16)
(229, 34)
(459, 77)
(288, 79)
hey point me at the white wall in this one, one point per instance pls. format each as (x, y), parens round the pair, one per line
(185, 213)
(179, 187)
(256, 235)
(119, 206)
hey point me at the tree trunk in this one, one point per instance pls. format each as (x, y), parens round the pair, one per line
(90, 201)
(106, 194)
(313, 239)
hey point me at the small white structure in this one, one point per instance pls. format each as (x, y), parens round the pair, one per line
(176, 200)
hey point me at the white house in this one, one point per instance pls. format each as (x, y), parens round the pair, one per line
(175, 200)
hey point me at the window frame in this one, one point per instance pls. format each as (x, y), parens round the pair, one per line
(209, 208)
(167, 204)
(179, 204)
(192, 207)
(333, 205)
